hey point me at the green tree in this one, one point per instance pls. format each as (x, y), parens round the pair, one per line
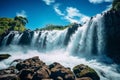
(22, 20)
(116, 4)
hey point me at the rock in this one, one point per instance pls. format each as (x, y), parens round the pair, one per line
(70, 31)
(16, 60)
(9, 77)
(112, 33)
(84, 78)
(10, 70)
(31, 63)
(35, 69)
(42, 73)
(26, 74)
(26, 37)
(4, 56)
(85, 71)
(59, 72)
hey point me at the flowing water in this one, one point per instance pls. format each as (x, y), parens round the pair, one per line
(85, 46)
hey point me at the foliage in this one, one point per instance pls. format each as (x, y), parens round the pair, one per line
(56, 27)
(53, 27)
(116, 5)
(8, 24)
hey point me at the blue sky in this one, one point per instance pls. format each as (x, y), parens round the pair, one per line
(58, 12)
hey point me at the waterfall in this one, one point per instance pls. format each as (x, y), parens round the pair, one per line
(82, 43)
(5, 39)
(16, 38)
(34, 39)
(48, 40)
(89, 39)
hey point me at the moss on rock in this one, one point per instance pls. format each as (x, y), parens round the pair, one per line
(85, 71)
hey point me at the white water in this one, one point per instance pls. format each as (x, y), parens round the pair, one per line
(49, 46)
(83, 40)
(105, 71)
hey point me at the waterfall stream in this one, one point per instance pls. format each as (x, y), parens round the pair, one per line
(86, 45)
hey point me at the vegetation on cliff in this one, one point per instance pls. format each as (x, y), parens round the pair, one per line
(9, 24)
(57, 27)
(116, 5)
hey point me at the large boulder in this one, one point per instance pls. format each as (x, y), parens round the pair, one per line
(33, 69)
(42, 73)
(85, 71)
(31, 63)
(59, 72)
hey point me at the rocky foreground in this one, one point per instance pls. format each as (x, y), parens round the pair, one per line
(35, 69)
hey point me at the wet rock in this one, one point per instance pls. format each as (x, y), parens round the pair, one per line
(59, 71)
(112, 32)
(9, 77)
(31, 63)
(26, 37)
(84, 78)
(10, 70)
(4, 56)
(26, 74)
(42, 73)
(35, 69)
(85, 71)
(70, 31)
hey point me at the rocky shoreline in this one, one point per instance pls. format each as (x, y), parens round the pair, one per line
(35, 69)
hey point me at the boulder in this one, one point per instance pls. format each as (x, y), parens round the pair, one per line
(26, 74)
(85, 71)
(42, 73)
(59, 72)
(4, 56)
(31, 63)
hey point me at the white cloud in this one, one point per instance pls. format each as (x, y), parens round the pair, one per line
(74, 15)
(22, 13)
(99, 1)
(57, 10)
(71, 14)
(48, 2)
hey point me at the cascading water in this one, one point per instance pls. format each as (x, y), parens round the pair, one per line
(48, 40)
(89, 39)
(85, 42)
(4, 42)
(16, 38)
